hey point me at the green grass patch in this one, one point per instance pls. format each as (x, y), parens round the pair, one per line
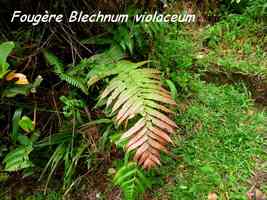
(221, 143)
(234, 45)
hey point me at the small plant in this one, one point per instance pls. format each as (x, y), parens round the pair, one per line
(131, 180)
(18, 158)
(59, 70)
(22, 85)
(135, 97)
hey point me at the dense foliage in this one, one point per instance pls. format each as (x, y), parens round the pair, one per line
(135, 110)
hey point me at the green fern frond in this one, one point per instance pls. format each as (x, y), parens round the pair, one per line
(111, 55)
(102, 71)
(18, 159)
(59, 70)
(138, 93)
(131, 180)
(76, 82)
(106, 58)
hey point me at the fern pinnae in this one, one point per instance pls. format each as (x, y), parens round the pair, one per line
(136, 92)
(115, 83)
(73, 81)
(131, 180)
(138, 125)
(59, 70)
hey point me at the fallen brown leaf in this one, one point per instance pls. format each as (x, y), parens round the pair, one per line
(20, 78)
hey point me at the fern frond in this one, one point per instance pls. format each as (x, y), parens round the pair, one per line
(131, 180)
(59, 70)
(104, 70)
(76, 82)
(18, 159)
(137, 92)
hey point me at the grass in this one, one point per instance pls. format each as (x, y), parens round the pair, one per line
(221, 137)
(234, 45)
(222, 140)
(222, 133)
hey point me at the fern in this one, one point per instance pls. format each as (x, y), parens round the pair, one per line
(76, 82)
(130, 36)
(59, 70)
(18, 159)
(131, 180)
(102, 71)
(137, 93)
(108, 56)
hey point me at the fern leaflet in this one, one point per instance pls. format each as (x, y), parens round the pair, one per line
(59, 70)
(131, 180)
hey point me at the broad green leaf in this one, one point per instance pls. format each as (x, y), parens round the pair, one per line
(5, 50)
(19, 165)
(15, 90)
(18, 152)
(26, 124)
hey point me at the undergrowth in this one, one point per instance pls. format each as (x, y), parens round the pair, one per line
(140, 113)
(232, 46)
